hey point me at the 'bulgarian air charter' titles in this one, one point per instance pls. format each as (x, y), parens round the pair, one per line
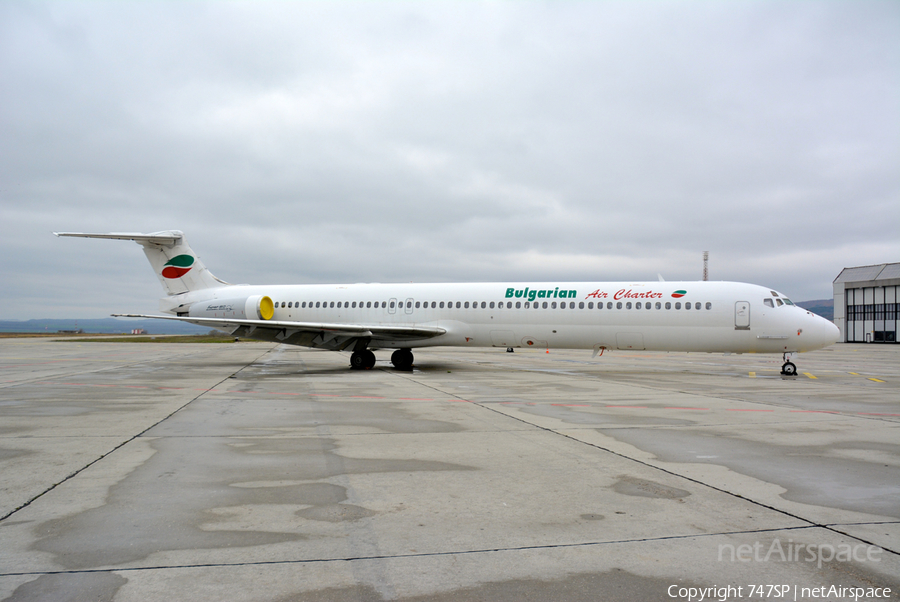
(532, 294)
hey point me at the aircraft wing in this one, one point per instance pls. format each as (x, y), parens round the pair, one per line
(309, 334)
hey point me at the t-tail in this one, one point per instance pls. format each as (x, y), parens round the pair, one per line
(176, 265)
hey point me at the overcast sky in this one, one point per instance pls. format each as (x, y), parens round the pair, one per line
(313, 142)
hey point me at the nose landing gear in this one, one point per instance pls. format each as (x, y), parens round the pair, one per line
(788, 368)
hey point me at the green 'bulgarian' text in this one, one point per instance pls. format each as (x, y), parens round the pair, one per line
(532, 294)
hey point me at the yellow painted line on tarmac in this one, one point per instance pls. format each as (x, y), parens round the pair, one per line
(810, 375)
(753, 375)
(853, 373)
(877, 380)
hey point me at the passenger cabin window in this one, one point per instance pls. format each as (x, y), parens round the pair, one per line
(708, 305)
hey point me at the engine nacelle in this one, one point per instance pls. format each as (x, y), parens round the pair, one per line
(256, 307)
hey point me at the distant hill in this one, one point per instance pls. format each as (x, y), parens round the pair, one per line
(103, 325)
(823, 307)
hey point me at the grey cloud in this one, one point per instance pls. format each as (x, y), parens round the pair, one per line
(328, 142)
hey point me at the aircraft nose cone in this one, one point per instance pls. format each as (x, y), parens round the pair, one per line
(824, 333)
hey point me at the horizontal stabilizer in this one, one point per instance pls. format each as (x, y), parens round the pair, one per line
(169, 237)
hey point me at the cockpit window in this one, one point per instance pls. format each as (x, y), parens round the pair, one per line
(774, 294)
(768, 303)
(779, 302)
(788, 301)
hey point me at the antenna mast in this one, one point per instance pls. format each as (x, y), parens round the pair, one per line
(705, 266)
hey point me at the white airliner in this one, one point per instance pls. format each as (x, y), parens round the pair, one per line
(726, 317)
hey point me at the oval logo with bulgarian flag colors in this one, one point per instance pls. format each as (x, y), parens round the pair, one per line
(178, 266)
(678, 294)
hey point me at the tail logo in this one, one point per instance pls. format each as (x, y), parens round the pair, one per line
(178, 266)
(679, 294)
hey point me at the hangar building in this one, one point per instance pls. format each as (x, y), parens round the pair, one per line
(866, 303)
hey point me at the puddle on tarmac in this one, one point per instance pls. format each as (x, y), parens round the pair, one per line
(8, 453)
(644, 488)
(585, 587)
(810, 474)
(69, 588)
(171, 501)
(229, 415)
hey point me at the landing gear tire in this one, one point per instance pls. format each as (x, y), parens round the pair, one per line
(509, 350)
(402, 359)
(789, 369)
(362, 360)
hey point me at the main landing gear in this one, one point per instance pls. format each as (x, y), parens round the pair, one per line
(365, 359)
(788, 369)
(362, 360)
(402, 359)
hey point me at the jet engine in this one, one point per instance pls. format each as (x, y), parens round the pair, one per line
(256, 307)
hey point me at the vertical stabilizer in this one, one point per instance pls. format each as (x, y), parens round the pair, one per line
(176, 265)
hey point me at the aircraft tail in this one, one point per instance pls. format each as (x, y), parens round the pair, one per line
(176, 265)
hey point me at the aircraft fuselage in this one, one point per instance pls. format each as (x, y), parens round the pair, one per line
(726, 317)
